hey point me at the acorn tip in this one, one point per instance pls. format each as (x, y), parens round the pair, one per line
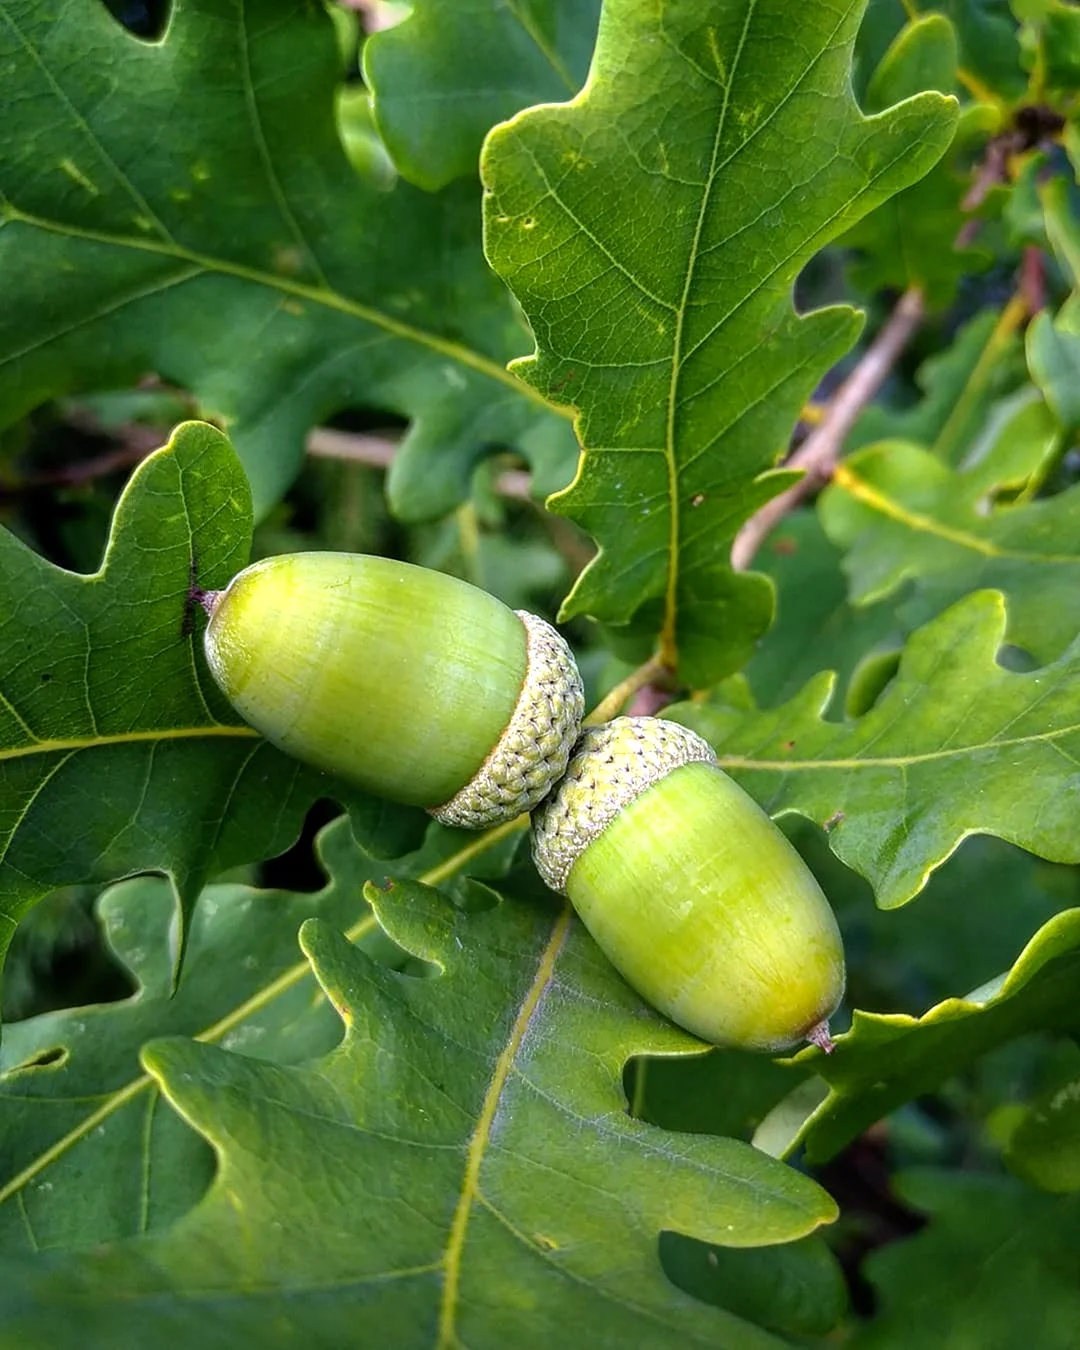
(819, 1036)
(207, 599)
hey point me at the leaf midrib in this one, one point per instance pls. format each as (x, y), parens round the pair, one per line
(895, 761)
(470, 1188)
(669, 650)
(918, 522)
(317, 295)
(67, 744)
(668, 638)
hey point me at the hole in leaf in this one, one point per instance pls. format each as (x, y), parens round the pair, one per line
(44, 1059)
(146, 19)
(859, 1180)
(1017, 659)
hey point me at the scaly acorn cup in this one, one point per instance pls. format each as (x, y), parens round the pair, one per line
(409, 683)
(690, 890)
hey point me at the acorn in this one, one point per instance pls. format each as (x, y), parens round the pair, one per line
(406, 682)
(689, 889)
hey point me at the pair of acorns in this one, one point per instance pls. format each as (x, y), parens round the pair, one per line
(423, 689)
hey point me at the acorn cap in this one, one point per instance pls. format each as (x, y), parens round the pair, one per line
(533, 750)
(610, 766)
(690, 890)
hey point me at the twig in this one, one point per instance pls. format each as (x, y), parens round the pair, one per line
(86, 470)
(1033, 279)
(649, 700)
(352, 446)
(376, 14)
(611, 704)
(378, 452)
(819, 452)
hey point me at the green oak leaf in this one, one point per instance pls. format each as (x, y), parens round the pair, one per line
(460, 1170)
(990, 59)
(443, 77)
(76, 1103)
(911, 240)
(923, 55)
(888, 1059)
(1053, 352)
(1059, 42)
(244, 259)
(117, 752)
(1061, 205)
(978, 910)
(816, 623)
(900, 514)
(731, 151)
(960, 385)
(995, 1268)
(955, 745)
(1044, 1147)
(880, 24)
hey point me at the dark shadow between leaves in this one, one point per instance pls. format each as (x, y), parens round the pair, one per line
(792, 1289)
(298, 868)
(145, 19)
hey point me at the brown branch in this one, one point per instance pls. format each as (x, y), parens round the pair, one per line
(612, 703)
(82, 471)
(354, 447)
(378, 453)
(821, 449)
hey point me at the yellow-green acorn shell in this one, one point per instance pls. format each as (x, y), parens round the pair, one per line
(407, 682)
(689, 888)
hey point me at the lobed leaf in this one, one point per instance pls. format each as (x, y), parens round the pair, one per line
(903, 515)
(464, 1157)
(444, 76)
(244, 258)
(730, 150)
(955, 745)
(888, 1059)
(995, 1268)
(913, 239)
(89, 1151)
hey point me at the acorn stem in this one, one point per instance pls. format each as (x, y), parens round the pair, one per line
(820, 1037)
(611, 704)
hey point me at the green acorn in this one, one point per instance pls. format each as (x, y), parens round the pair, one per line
(690, 889)
(406, 682)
